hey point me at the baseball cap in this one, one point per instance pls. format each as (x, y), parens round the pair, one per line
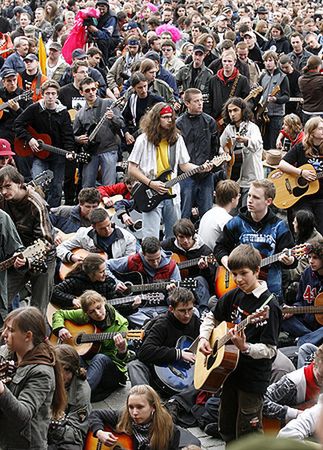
(130, 26)
(199, 48)
(154, 56)
(250, 33)
(221, 17)
(227, 9)
(55, 46)
(102, 2)
(262, 10)
(78, 53)
(31, 57)
(5, 148)
(133, 42)
(8, 73)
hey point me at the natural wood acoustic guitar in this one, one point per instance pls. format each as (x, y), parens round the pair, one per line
(66, 268)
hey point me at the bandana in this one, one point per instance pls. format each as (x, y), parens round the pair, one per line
(166, 110)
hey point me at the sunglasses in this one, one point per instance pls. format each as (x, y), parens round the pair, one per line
(88, 90)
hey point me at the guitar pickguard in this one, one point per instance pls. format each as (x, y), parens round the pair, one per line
(302, 187)
(212, 358)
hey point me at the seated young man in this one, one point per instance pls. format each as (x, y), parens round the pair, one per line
(282, 399)
(107, 369)
(154, 264)
(243, 390)
(158, 347)
(69, 219)
(311, 284)
(188, 244)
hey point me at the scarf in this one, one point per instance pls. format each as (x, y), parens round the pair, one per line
(40, 354)
(220, 74)
(141, 433)
(312, 389)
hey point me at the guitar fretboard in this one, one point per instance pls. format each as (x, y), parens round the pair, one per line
(98, 337)
(8, 263)
(160, 285)
(303, 310)
(226, 338)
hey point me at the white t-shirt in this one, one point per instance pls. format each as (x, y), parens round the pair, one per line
(212, 224)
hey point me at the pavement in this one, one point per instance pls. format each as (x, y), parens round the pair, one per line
(118, 398)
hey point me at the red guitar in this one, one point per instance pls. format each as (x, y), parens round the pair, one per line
(22, 147)
(125, 442)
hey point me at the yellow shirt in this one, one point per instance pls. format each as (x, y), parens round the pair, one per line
(162, 157)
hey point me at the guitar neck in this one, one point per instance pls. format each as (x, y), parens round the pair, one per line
(99, 337)
(271, 259)
(183, 176)
(227, 337)
(188, 263)
(97, 128)
(149, 287)
(52, 149)
(303, 310)
(7, 264)
(127, 299)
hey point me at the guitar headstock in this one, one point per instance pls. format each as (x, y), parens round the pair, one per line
(188, 283)
(38, 250)
(217, 160)
(153, 298)
(259, 316)
(43, 179)
(210, 259)
(275, 91)
(83, 157)
(136, 335)
(255, 91)
(7, 370)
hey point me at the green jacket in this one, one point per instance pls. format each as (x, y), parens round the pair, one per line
(115, 322)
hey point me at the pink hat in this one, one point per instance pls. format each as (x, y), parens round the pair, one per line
(5, 148)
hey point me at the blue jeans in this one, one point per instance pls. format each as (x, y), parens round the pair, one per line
(202, 294)
(108, 162)
(167, 211)
(57, 165)
(197, 192)
(298, 329)
(103, 376)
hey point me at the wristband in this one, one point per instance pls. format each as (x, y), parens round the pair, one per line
(149, 183)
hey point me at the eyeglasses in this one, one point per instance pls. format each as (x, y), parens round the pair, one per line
(167, 49)
(88, 90)
(167, 117)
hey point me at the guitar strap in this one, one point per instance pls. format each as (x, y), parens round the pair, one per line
(38, 83)
(234, 86)
(267, 301)
(172, 155)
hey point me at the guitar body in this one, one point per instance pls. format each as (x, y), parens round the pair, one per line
(291, 188)
(136, 228)
(84, 349)
(211, 371)
(110, 209)
(224, 281)
(125, 442)
(180, 375)
(178, 259)
(22, 148)
(147, 199)
(66, 268)
(91, 146)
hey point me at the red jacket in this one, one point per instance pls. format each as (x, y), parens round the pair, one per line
(115, 189)
(135, 264)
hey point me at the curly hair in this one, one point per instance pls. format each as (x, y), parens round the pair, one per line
(162, 423)
(308, 140)
(294, 124)
(240, 103)
(150, 124)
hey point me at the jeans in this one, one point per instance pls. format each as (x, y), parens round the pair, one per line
(151, 220)
(57, 165)
(298, 329)
(103, 376)
(197, 192)
(145, 313)
(108, 162)
(138, 372)
(272, 131)
(202, 294)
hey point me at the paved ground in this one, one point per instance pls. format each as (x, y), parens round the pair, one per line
(118, 398)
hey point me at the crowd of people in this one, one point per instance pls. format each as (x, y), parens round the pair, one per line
(140, 214)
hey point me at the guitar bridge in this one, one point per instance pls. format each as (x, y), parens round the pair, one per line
(288, 186)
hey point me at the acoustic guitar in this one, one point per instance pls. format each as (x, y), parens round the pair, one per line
(291, 188)
(86, 339)
(7, 370)
(36, 254)
(24, 96)
(67, 267)
(224, 281)
(211, 371)
(180, 374)
(22, 148)
(125, 442)
(316, 309)
(147, 199)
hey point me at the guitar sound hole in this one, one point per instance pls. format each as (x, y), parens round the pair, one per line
(211, 359)
(302, 182)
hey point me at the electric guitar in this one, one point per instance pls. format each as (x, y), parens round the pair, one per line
(36, 255)
(211, 371)
(24, 96)
(180, 374)
(291, 188)
(147, 199)
(86, 339)
(22, 148)
(224, 281)
(125, 442)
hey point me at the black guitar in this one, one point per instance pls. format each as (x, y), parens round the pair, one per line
(146, 199)
(82, 157)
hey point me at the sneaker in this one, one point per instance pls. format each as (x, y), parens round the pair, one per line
(211, 429)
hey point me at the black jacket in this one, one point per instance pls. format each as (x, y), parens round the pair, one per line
(9, 115)
(159, 345)
(57, 124)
